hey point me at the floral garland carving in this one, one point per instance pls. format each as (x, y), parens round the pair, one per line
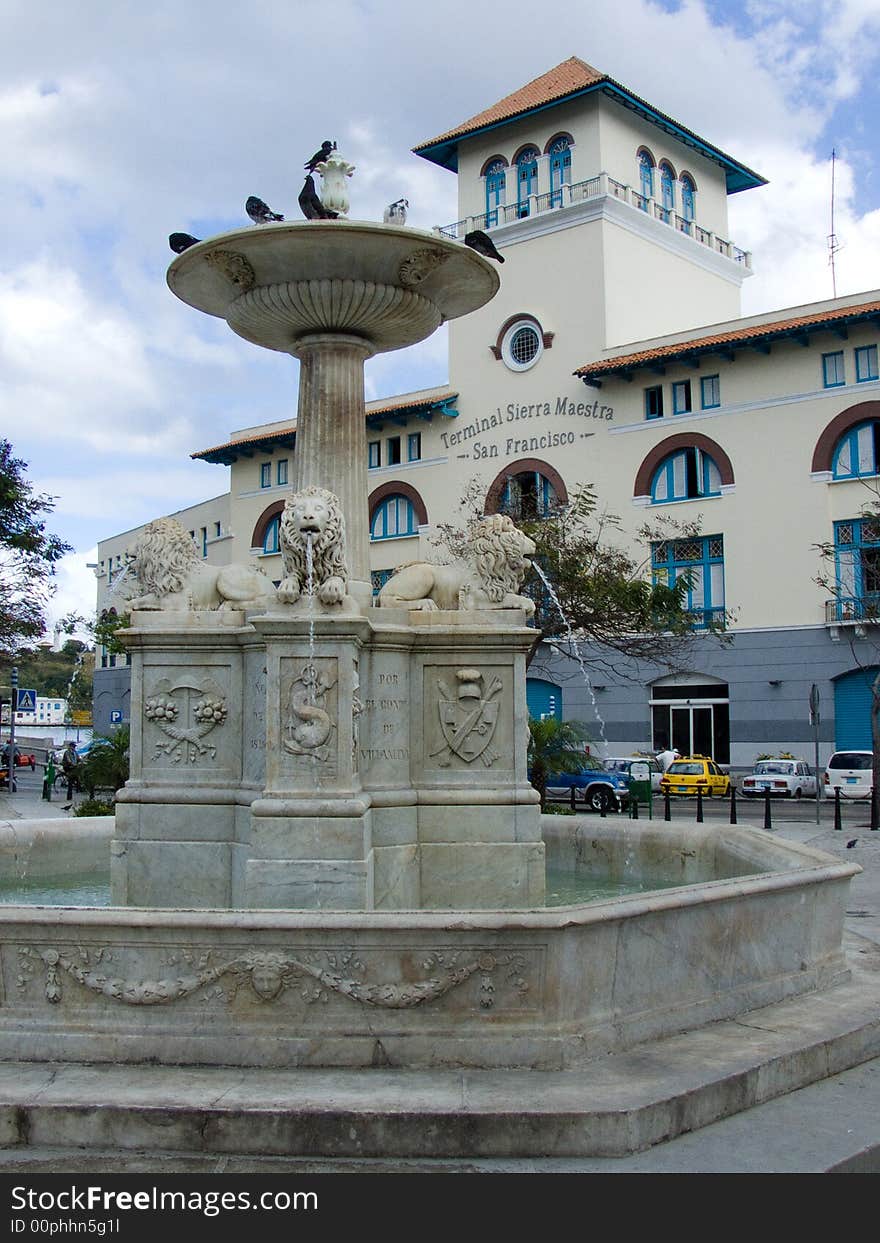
(420, 265)
(269, 974)
(234, 267)
(186, 741)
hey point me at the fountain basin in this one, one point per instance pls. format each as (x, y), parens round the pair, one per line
(754, 920)
(276, 283)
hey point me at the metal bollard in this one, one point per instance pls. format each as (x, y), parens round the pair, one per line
(767, 822)
(667, 810)
(603, 804)
(699, 805)
(633, 808)
(571, 800)
(733, 819)
(837, 823)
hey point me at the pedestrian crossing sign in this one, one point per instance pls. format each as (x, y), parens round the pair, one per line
(26, 700)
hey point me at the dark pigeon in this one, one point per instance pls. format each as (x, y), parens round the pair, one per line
(482, 244)
(311, 205)
(179, 242)
(395, 213)
(320, 155)
(259, 212)
(853, 842)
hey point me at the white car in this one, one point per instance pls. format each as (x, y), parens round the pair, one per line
(623, 763)
(852, 772)
(783, 778)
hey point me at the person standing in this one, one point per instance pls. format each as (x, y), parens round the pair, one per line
(665, 757)
(69, 766)
(49, 778)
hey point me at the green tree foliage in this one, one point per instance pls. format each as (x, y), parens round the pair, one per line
(554, 747)
(67, 674)
(28, 555)
(106, 766)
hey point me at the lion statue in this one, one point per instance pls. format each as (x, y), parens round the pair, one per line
(317, 513)
(172, 576)
(488, 576)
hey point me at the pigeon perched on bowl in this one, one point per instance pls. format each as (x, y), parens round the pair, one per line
(259, 211)
(395, 213)
(320, 155)
(311, 206)
(179, 242)
(482, 243)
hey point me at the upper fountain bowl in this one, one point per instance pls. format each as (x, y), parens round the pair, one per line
(277, 283)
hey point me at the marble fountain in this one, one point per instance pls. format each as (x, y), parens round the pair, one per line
(329, 856)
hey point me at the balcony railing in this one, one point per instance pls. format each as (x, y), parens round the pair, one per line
(853, 610)
(593, 188)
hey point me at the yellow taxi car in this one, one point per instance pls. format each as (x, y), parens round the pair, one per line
(691, 773)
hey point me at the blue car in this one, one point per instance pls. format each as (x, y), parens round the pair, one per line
(595, 787)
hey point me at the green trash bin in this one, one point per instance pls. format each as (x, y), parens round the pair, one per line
(640, 788)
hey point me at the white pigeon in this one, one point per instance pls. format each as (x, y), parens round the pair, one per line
(395, 213)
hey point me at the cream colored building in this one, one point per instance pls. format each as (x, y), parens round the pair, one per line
(614, 354)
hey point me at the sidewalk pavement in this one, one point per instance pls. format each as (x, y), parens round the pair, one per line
(28, 805)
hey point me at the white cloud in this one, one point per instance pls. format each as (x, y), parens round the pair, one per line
(75, 590)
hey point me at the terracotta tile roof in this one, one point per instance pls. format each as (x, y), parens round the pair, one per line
(763, 333)
(412, 402)
(572, 75)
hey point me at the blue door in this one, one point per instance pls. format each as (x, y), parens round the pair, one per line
(543, 699)
(852, 710)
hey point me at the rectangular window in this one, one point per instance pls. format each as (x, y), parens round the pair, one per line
(857, 569)
(681, 397)
(832, 369)
(654, 402)
(374, 454)
(414, 446)
(866, 363)
(392, 451)
(710, 392)
(266, 475)
(281, 475)
(701, 562)
(217, 530)
(204, 541)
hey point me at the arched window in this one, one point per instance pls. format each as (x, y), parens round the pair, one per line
(857, 453)
(646, 176)
(688, 197)
(667, 191)
(526, 178)
(685, 475)
(393, 517)
(527, 496)
(271, 536)
(496, 189)
(560, 168)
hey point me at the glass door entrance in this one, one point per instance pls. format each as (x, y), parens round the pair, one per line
(694, 720)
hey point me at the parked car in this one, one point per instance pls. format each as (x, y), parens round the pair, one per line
(623, 764)
(782, 778)
(596, 787)
(852, 772)
(692, 773)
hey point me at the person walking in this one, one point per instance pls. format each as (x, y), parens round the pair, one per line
(70, 766)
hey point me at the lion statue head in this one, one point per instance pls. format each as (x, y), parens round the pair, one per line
(164, 558)
(500, 552)
(313, 516)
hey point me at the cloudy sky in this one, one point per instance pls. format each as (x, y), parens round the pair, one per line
(122, 121)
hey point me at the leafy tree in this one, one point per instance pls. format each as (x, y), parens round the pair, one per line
(554, 747)
(106, 766)
(28, 555)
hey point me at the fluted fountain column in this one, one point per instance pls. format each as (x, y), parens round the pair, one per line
(331, 438)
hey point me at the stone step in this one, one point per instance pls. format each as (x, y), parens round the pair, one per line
(620, 1104)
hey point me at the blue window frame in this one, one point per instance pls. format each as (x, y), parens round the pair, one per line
(217, 530)
(414, 447)
(378, 579)
(688, 198)
(393, 518)
(560, 169)
(654, 402)
(701, 562)
(710, 392)
(684, 476)
(857, 568)
(392, 451)
(374, 453)
(526, 178)
(857, 453)
(281, 473)
(496, 190)
(646, 177)
(527, 496)
(204, 541)
(833, 372)
(866, 363)
(271, 537)
(266, 475)
(667, 192)
(681, 397)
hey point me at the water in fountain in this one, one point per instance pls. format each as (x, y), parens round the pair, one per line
(575, 649)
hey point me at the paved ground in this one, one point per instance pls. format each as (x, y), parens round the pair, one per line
(832, 1125)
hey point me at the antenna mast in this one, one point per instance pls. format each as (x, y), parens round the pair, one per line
(833, 244)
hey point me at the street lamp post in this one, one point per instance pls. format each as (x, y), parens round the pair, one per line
(13, 706)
